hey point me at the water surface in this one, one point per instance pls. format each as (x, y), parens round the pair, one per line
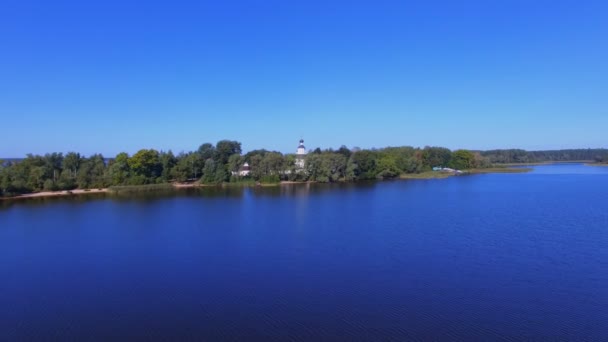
(470, 258)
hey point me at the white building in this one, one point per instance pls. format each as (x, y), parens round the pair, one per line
(300, 155)
(243, 171)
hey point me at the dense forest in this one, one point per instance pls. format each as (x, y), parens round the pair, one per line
(521, 156)
(220, 163)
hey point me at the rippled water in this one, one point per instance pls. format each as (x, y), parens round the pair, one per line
(485, 257)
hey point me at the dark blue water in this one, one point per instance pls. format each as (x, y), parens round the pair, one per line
(470, 258)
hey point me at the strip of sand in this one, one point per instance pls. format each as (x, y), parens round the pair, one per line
(58, 193)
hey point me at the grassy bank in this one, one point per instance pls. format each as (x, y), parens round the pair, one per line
(235, 184)
(442, 175)
(500, 170)
(134, 189)
(426, 175)
(251, 183)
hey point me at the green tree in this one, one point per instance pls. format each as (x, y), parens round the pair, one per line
(387, 167)
(436, 156)
(4, 179)
(206, 151)
(326, 167)
(71, 163)
(343, 150)
(146, 163)
(362, 165)
(37, 176)
(92, 173)
(53, 162)
(234, 163)
(49, 185)
(119, 170)
(168, 162)
(220, 175)
(255, 163)
(272, 164)
(226, 148)
(463, 160)
(209, 175)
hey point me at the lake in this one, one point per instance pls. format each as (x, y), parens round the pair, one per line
(468, 258)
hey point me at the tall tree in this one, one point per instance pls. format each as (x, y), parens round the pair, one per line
(146, 163)
(234, 163)
(168, 162)
(119, 170)
(209, 171)
(225, 148)
(92, 173)
(206, 151)
(71, 163)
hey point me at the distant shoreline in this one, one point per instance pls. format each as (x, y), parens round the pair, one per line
(157, 187)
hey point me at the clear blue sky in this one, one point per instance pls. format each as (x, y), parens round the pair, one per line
(111, 76)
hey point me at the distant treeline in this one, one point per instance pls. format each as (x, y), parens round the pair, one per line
(599, 155)
(220, 163)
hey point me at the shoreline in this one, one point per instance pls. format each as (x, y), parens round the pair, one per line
(545, 163)
(61, 193)
(419, 176)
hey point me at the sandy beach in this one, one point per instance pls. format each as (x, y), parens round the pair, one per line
(57, 193)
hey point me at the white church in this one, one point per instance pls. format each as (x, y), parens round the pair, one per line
(300, 155)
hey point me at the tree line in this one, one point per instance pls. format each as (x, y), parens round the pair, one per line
(220, 163)
(513, 156)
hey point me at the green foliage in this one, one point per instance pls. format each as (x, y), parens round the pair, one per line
(363, 165)
(206, 151)
(119, 169)
(220, 175)
(272, 164)
(91, 173)
(514, 156)
(387, 167)
(343, 150)
(436, 156)
(167, 163)
(183, 169)
(216, 164)
(49, 185)
(146, 163)
(209, 172)
(71, 164)
(224, 149)
(234, 163)
(326, 167)
(255, 162)
(463, 160)
(247, 157)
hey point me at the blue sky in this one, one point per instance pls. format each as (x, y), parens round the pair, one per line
(111, 76)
